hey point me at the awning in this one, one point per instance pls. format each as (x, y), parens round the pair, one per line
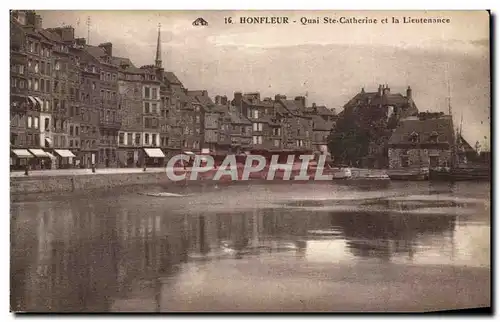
(205, 151)
(48, 141)
(154, 153)
(22, 153)
(39, 101)
(188, 153)
(39, 153)
(65, 153)
(50, 155)
(33, 101)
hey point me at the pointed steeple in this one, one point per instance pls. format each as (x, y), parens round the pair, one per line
(158, 50)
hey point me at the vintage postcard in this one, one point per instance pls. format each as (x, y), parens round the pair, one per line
(250, 161)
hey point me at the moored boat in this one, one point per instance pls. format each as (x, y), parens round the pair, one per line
(409, 174)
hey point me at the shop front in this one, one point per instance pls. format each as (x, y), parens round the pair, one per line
(64, 158)
(41, 161)
(154, 158)
(19, 159)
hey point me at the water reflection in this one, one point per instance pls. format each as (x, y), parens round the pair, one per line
(86, 255)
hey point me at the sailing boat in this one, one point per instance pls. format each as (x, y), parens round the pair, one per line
(458, 170)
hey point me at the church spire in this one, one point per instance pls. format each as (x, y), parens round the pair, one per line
(158, 50)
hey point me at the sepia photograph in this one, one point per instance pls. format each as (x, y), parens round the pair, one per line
(250, 161)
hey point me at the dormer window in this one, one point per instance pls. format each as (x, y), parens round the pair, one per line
(414, 137)
(433, 138)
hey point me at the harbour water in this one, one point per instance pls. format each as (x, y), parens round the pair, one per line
(340, 246)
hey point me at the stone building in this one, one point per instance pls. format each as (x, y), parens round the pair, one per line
(89, 98)
(422, 141)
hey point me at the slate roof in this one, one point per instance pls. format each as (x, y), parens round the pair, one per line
(237, 118)
(320, 110)
(171, 78)
(319, 124)
(95, 51)
(443, 126)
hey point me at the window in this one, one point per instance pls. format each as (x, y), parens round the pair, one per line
(433, 138)
(57, 66)
(155, 93)
(153, 139)
(42, 85)
(146, 138)
(129, 138)
(93, 87)
(255, 114)
(29, 83)
(76, 130)
(121, 138)
(36, 67)
(102, 93)
(35, 119)
(114, 77)
(276, 143)
(102, 75)
(29, 121)
(257, 139)
(146, 107)
(93, 69)
(414, 137)
(154, 108)
(108, 76)
(47, 124)
(47, 85)
(71, 130)
(146, 92)
(138, 139)
(70, 143)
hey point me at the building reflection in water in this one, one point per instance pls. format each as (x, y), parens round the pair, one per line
(83, 256)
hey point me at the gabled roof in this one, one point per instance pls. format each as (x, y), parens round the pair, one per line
(201, 97)
(290, 105)
(319, 124)
(319, 110)
(237, 118)
(443, 126)
(95, 51)
(172, 79)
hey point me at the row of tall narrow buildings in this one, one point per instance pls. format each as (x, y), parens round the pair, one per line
(79, 104)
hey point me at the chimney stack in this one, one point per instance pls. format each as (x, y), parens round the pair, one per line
(409, 93)
(108, 48)
(380, 88)
(386, 90)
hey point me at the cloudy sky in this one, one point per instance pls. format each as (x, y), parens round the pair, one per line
(329, 62)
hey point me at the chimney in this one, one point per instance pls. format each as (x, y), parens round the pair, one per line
(408, 93)
(38, 22)
(223, 100)
(362, 90)
(108, 48)
(68, 34)
(380, 88)
(386, 90)
(238, 97)
(315, 108)
(301, 100)
(80, 41)
(217, 99)
(279, 97)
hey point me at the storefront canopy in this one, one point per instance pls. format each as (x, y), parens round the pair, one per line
(154, 153)
(39, 153)
(188, 152)
(65, 153)
(50, 155)
(22, 153)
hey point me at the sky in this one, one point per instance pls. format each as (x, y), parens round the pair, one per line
(328, 62)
